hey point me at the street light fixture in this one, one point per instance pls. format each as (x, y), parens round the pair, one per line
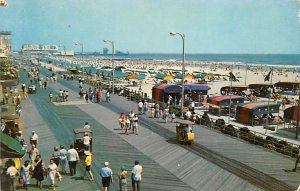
(112, 62)
(183, 68)
(81, 44)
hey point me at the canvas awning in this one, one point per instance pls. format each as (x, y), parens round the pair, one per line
(10, 147)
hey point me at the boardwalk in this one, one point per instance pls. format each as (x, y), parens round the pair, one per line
(167, 166)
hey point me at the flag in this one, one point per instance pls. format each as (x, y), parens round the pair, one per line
(3, 3)
(267, 78)
(232, 76)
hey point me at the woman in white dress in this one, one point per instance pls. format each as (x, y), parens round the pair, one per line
(52, 170)
(26, 171)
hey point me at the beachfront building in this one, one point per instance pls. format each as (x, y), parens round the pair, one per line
(5, 43)
(39, 49)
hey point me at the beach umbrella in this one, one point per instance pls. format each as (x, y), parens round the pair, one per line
(169, 77)
(72, 69)
(160, 76)
(10, 117)
(106, 67)
(119, 68)
(131, 77)
(189, 76)
(209, 76)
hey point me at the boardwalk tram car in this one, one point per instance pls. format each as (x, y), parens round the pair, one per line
(184, 131)
(78, 140)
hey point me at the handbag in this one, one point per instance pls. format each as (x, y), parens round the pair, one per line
(21, 180)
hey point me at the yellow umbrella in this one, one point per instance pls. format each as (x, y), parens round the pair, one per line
(169, 77)
(131, 77)
(209, 76)
(189, 76)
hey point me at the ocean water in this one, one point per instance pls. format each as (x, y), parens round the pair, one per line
(261, 59)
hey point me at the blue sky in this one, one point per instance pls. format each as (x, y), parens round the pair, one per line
(142, 26)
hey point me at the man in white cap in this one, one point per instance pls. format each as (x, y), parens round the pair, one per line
(106, 174)
(34, 138)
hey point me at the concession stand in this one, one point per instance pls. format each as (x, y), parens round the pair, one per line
(260, 90)
(235, 90)
(219, 105)
(290, 114)
(253, 113)
(288, 86)
(161, 92)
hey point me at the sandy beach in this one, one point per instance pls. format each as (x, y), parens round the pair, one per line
(220, 70)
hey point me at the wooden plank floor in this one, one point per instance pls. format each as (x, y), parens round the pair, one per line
(54, 125)
(266, 161)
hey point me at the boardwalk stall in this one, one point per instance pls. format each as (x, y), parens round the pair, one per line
(162, 92)
(256, 113)
(219, 105)
(235, 90)
(288, 86)
(291, 115)
(260, 90)
(195, 91)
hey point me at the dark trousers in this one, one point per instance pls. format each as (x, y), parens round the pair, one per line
(72, 167)
(33, 142)
(136, 185)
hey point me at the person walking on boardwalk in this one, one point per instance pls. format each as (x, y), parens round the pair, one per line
(135, 124)
(122, 120)
(98, 96)
(50, 96)
(26, 171)
(38, 172)
(107, 95)
(88, 163)
(56, 159)
(63, 159)
(122, 179)
(52, 171)
(136, 176)
(86, 97)
(33, 153)
(127, 125)
(107, 176)
(131, 116)
(33, 139)
(140, 107)
(72, 159)
(298, 159)
(12, 174)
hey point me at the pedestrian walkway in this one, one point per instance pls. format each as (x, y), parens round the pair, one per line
(55, 124)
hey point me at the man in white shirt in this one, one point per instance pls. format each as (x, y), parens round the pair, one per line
(136, 176)
(33, 138)
(140, 107)
(87, 126)
(72, 159)
(13, 174)
(86, 141)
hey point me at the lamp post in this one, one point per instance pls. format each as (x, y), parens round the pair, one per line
(81, 44)
(112, 62)
(183, 68)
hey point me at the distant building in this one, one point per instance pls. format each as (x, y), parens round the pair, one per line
(5, 43)
(105, 50)
(39, 49)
